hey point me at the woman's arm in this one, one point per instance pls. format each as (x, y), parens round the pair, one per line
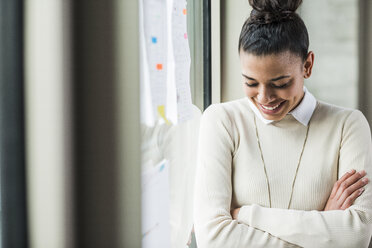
(344, 192)
(338, 228)
(214, 226)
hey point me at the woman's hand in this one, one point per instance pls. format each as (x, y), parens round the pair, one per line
(346, 190)
(234, 213)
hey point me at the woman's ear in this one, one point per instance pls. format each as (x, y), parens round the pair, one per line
(308, 65)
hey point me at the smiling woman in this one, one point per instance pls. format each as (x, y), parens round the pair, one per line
(280, 168)
(275, 82)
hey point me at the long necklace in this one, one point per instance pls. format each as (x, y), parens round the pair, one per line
(264, 165)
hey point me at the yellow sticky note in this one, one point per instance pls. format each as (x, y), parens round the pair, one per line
(161, 112)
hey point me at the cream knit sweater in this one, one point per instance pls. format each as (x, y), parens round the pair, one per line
(230, 174)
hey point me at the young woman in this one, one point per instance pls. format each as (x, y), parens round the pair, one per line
(279, 168)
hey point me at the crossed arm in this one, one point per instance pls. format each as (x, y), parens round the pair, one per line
(316, 227)
(264, 227)
(345, 191)
(345, 225)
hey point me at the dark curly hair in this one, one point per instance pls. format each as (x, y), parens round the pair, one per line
(274, 27)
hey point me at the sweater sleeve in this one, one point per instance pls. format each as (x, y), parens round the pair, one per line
(338, 228)
(213, 224)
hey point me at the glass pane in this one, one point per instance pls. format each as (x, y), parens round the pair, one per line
(169, 144)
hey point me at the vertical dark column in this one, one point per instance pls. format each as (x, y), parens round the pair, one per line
(365, 60)
(95, 163)
(363, 38)
(207, 50)
(12, 128)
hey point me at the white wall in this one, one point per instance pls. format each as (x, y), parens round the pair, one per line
(333, 35)
(233, 15)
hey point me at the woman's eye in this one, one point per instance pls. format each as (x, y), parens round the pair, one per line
(281, 86)
(251, 85)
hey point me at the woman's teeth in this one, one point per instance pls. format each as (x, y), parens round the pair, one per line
(271, 108)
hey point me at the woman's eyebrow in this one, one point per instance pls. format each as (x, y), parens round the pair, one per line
(281, 77)
(272, 80)
(249, 77)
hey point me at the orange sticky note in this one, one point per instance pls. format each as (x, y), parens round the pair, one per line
(159, 67)
(184, 11)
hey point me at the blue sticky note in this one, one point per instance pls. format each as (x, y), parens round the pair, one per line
(162, 167)
(154, 40)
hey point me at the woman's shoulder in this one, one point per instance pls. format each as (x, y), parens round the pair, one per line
(332, 112)
(230, 111)
(229, 108)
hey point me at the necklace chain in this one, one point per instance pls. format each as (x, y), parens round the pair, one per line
(264, 165)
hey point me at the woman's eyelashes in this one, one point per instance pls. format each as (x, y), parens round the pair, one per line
(251, 85)
(272, 85)
(281, 86)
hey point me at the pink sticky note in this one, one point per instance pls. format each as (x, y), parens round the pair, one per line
(185, 35)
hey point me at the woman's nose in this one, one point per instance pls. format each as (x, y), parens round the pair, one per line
(265, 95)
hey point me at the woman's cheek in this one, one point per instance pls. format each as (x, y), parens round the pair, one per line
(249, 92)
(289, 93)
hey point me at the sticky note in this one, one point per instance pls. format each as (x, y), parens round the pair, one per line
(161, 112)
(185, 35)
(184, 11)
(159, 67)
(154, 40)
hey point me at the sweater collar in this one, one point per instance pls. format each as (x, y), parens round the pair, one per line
(301, 113)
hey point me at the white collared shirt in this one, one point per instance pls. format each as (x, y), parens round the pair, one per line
(301, 113)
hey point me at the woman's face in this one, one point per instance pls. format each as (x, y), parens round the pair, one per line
(274, 83)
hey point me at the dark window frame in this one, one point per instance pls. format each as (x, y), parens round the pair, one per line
(12, 126)
(207, 50)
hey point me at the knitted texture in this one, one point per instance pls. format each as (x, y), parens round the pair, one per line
(230, 174)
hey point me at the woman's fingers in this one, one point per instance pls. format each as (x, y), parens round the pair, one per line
(350, 200)
(347, 182)
(348, 192)
(341, 180)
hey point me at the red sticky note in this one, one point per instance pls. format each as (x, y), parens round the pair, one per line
(159, 67)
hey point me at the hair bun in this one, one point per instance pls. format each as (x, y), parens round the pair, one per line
(269, 11)
(275, 6)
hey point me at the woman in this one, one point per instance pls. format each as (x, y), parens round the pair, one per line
(279, 168)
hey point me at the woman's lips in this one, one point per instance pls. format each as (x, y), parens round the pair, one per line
(271, 109)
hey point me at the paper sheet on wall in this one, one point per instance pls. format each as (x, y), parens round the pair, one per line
(146, 105)
(165, 62)
(182, 60)
(154, 33)
(155, 207)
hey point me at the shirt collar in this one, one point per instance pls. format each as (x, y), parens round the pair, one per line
(301, 113)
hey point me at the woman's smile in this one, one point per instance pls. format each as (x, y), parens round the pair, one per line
(271, 109)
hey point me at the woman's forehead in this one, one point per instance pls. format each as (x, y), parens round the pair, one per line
(270, 65)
